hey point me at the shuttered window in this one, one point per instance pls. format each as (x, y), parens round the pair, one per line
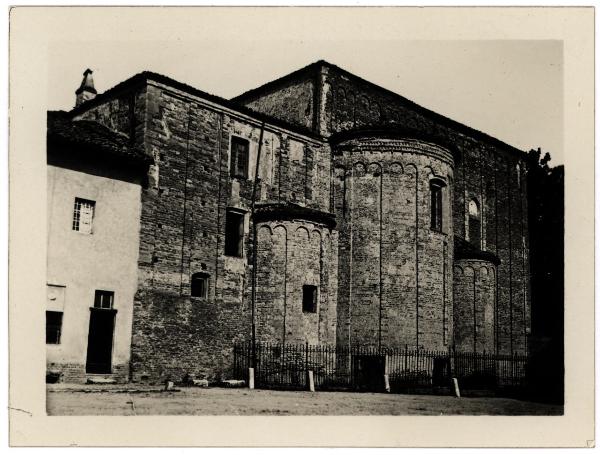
(83, 215)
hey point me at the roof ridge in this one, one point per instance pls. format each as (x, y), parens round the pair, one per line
(146, 75)
(433, 115)
(281, 79)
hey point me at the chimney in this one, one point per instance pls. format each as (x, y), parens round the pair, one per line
(86, 90)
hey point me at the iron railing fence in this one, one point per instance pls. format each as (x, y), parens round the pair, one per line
(361, 368)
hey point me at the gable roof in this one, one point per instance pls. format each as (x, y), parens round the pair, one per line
(143, 77)
(314, 68)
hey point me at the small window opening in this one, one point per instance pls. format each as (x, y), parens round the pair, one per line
(309, 298)
(83, 215)
(53, 326)
(436, 205)
(199, 285)
(240, 151)
(104, 299)
(234, 233)
(474, 223)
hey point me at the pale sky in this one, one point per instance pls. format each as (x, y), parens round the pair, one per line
(510, 89)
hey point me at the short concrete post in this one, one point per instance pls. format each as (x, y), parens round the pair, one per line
(386, 380)
(311, 381)
(251, 378)
(456, 389)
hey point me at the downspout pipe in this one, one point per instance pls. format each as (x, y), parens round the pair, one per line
(254, 243)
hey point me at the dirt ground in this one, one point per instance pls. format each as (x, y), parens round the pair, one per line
(140, 400)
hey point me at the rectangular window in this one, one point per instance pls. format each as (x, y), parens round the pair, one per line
(234, 233)
(199, 285)
(83, 215)
(104, 299)
(309, 298)
(240, 151)
(53, 326)
(436, 207)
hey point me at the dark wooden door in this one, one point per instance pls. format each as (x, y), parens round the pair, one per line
(100, 341)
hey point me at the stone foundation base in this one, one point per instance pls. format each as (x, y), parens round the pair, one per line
(75, 373)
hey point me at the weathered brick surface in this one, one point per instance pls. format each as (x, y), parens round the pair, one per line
(290, 255)
(384, 277)
(474, 305)
(183, 225)
(292, 101)
(394, 275)
(484, 171)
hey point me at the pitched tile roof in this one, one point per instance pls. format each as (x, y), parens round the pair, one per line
(91, 138)
(466, 250)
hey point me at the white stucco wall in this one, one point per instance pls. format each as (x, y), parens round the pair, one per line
(106, 259)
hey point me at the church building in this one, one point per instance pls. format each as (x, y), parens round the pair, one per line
(316, 208)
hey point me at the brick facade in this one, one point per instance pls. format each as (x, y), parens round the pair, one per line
(353, 219)
(394, 278)
(486, 169)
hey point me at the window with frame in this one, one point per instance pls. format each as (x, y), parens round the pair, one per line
(83, 215)
(474, 223)
(435, 188)
(240, 157)
(53, 326)
(104, 299)
(309, 298)
(199, 285)
(234, 233)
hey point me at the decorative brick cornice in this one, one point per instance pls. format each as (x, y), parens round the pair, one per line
(290, 211)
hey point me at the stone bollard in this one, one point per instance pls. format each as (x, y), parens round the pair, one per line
(251, 378)
(456, 389)
(386, 380)
(311, 381)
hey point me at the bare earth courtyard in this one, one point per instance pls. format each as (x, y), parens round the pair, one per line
(150, 400)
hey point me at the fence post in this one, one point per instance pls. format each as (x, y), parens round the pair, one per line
(456, 389)
(306, 361)
(311, 381)
(251, 378)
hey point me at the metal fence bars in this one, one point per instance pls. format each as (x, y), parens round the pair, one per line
(360, 368)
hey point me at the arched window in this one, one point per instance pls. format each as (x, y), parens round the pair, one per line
(474, 223)
(199, 285)
(437, 210)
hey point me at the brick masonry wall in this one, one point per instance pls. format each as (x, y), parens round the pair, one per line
(290, 255)
(394, 270)
(292, 102)
(474, 305)
(75, 372)
(492, 175)
(486, 172)
(183, 226)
